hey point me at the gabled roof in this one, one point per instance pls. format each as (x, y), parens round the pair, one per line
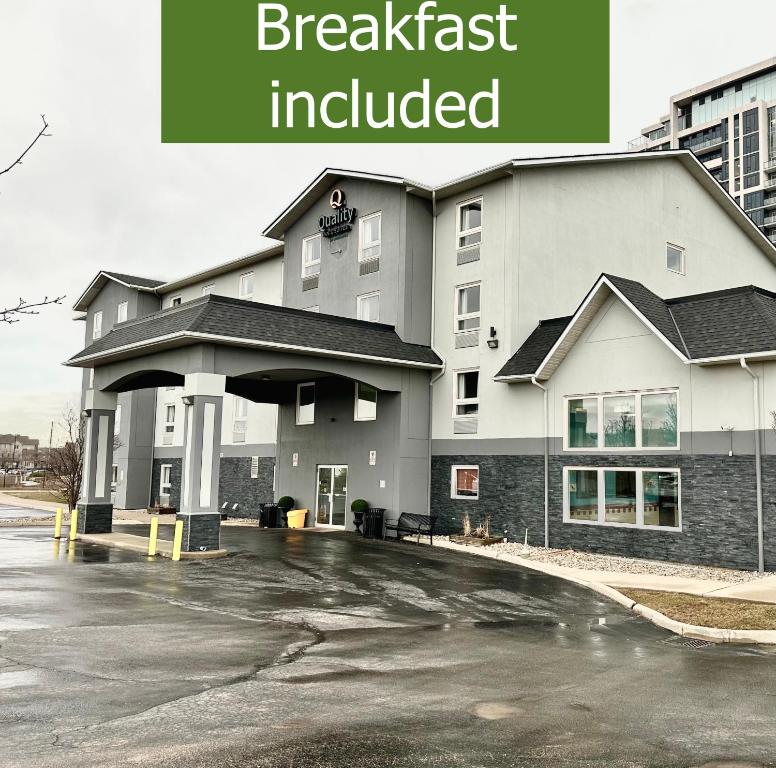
(705, 328)
(130, 281)
(328, 178)
(233, 322)
(528, 358)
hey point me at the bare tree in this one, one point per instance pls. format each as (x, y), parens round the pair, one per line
(13, 314)
(66, 464)
(41, 134)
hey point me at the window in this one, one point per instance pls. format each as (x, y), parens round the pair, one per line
(622, 496)
(368, 307)
(305, 404)
(467, 308)
(176, 301)
(254, 467)
(366, 403)
(239, 420)
(114, 477)
(169, 424)
(245, 290)
(311, 256)
(622, 421)
(117, 422)
(470, 223)
(208, 289)
(467, 393)
(465, 483)
(675, 258)
(165, 480)
(315, 308)
(370, 234)
(97, 325)
(121, 312)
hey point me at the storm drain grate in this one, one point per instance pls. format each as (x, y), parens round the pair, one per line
(687, 642)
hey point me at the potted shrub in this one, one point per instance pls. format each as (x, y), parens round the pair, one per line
(285, 505)
(358, 508)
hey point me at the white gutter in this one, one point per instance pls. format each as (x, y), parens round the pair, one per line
(535, 382)
(757, 465)
(434, 379)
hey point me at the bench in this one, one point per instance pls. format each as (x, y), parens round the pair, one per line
(413, 524)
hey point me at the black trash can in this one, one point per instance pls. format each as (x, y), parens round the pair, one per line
(373, 523)
(269, 515)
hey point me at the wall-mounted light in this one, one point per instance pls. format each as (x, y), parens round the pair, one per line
(493, 340)
(188, 400)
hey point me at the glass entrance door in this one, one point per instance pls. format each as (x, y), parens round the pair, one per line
(331, 500)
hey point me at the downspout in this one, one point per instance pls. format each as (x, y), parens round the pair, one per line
(757, 466)
(536, 383)
(438, 376)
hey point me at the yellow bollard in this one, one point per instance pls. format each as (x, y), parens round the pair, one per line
(73, 525)
(153, 535)
(178, 540)
(58, 524)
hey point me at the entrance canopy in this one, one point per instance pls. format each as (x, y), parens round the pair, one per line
(260, 348)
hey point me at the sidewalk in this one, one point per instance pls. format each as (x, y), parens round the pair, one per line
(17, 501)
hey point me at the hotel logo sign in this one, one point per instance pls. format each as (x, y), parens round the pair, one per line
(343, 218)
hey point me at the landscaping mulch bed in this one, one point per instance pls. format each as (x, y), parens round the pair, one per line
(720, 612)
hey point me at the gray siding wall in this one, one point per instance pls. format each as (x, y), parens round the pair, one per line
(399, 436)
(404, 277)
(719, 519)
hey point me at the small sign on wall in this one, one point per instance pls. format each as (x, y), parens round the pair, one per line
(372, 458)
(295, 460)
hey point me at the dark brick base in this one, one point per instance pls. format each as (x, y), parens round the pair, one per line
(95, 518)
(236, 486)
(201, 533)
(718, 500)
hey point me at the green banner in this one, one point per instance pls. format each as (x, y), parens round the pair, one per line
(404, 71)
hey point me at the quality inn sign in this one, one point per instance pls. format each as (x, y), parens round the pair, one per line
(343, 218)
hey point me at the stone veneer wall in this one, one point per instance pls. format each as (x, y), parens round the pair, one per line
(236, 486)
(718, 502)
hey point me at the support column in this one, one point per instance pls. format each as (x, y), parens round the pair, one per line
(95, 507)
(203, 401)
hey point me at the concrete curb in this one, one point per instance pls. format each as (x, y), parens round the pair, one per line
(139, 544)
(710, 634)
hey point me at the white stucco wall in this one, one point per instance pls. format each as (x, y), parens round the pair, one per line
(548, 233)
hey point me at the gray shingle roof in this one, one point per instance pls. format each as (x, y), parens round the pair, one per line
(735, 322)
(240, 321)
(738, 321)
(535, 349)
(651, 306)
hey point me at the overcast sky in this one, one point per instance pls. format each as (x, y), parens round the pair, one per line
(104, 193)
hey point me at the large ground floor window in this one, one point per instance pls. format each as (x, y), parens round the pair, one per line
(622, 496)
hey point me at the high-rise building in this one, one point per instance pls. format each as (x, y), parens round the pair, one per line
(730, 124)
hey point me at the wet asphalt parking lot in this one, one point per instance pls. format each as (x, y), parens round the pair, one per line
(306, 649)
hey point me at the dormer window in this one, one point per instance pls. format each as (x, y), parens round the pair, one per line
(121, 312)
(176, 301)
